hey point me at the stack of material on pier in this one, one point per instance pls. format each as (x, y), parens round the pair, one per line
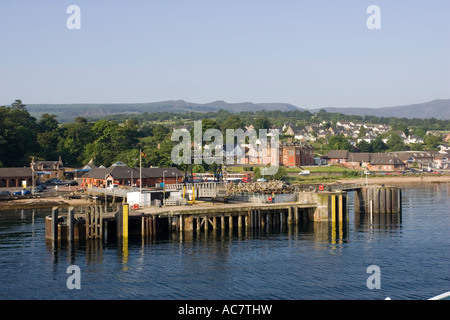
(272, 186)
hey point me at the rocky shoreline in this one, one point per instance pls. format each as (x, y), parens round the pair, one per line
(43, 203)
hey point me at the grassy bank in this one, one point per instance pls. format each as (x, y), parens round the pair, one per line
(330, 174)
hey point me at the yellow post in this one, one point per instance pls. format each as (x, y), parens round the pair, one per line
(193, 194)
(333, 208)
(184, 191)
(333, 219)
(125, 212)
(341, 215)
(125, 221)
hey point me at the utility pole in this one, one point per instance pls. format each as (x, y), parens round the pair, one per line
(32, 175)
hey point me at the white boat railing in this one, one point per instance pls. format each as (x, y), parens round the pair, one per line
(443, 296)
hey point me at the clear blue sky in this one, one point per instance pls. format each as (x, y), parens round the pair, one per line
(311, 53)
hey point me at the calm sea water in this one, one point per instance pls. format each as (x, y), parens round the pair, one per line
(413, 254)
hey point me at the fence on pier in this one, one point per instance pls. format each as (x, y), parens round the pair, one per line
(265, 198)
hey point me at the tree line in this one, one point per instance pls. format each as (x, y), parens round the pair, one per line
(119, 138)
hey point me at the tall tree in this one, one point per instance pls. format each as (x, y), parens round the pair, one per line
(17, 104)
(395, 142)
(378, 145)
(364, 146)
(48, 136)
(74, 138)
(262, 123)
(339, 143)
(18, 138)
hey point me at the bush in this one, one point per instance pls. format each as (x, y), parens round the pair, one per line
(350, 174)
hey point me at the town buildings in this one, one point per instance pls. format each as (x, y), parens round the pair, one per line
(393, 161)
(15, 177)
(296, 154)
(369, 161)
(121, 174)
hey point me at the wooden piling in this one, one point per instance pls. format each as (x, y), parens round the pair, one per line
(55, 224)
(205, 222)
(119, 222)
(389, 200)
(382, 199)
(214, 224)
(70, 223)
(376, 200)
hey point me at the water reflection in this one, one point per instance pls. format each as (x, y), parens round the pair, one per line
(378, 221)
(215, 240)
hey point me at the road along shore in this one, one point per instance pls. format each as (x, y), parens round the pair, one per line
(396, 180)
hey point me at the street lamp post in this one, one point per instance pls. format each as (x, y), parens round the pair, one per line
(32, 176)
(176, 179)
(106, 199)
(164, 188)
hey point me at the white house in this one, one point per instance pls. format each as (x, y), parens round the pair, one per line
(412, 138)
(368, 138)
(445, 148)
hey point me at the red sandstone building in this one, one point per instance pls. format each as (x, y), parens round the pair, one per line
(296, 154)
(14, 177)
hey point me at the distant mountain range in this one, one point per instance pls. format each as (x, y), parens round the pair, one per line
(68, 112)
(439, 109)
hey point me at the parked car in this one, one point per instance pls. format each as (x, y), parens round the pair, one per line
(304, 173)
(23, 192)
(39, 188)
(71, 183)
(261, 180)
(113, 186)
(5, 193)
(54, 181)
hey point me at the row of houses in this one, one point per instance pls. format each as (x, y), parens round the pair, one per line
(20, 176)
(90, 175)
(348, 129)
(370, 161)
(121, 174)
(394, 161)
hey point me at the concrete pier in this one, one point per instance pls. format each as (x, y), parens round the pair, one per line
(94, 223)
